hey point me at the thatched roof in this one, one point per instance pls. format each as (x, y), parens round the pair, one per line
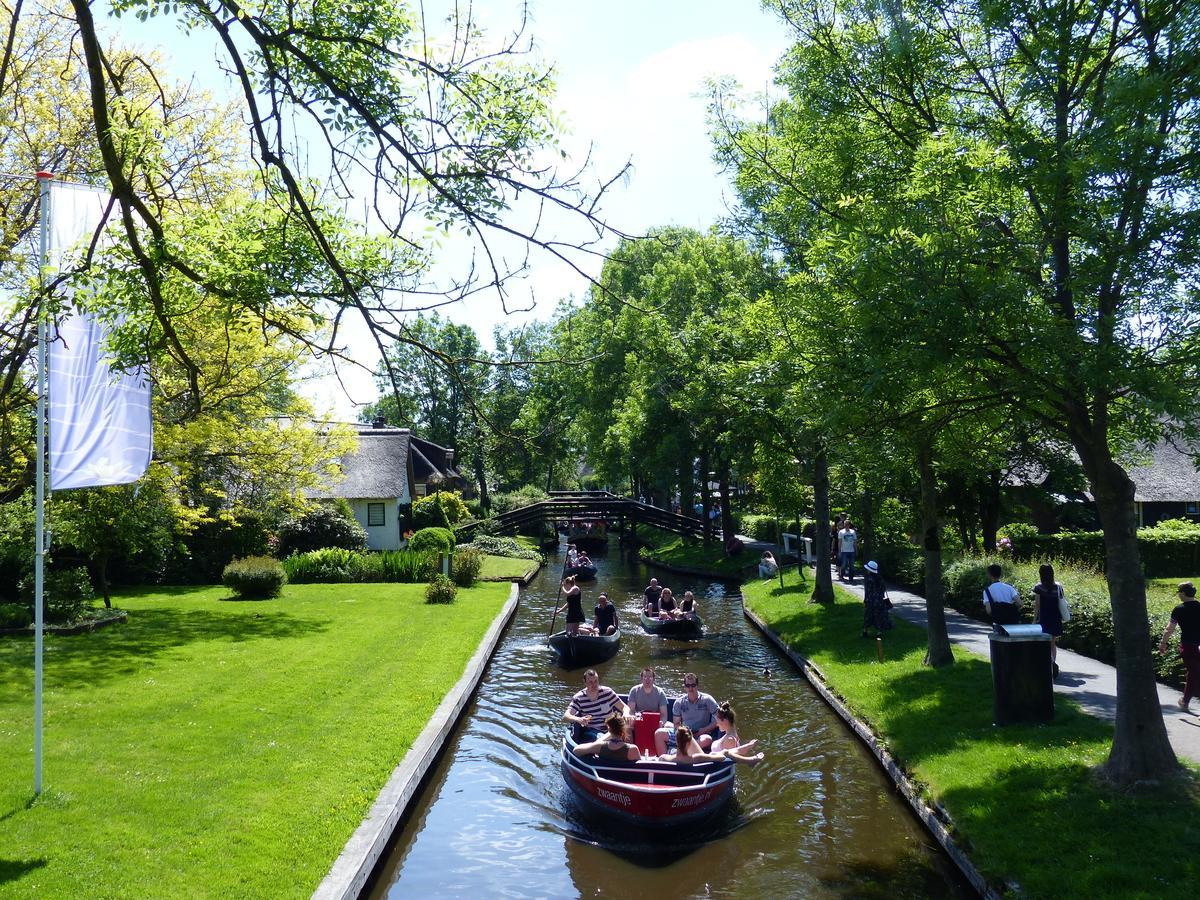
(378, 468)
(1166, 475)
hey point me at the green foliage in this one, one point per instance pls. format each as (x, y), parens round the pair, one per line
(467, 564)
(438, 539)
(440, 590)
(16, 543)
(68, 594)
(903, 564)
(441, 510)
(255, 578)
(333, 565)
(1166, 552)
(522, 496)
(320, 527)
(216, 542)
(502, 546)
(15, 615)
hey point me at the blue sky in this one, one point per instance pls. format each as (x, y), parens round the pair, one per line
(630, 80)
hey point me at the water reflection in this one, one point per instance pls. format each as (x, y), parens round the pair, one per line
(816, 819)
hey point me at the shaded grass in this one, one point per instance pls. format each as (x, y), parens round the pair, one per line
(1024, 800)
(217, 748)
(677, 550)
(504, 568)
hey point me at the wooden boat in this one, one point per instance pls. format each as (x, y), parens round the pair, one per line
(647, 793)
(581, 573)
(682, 629)
(584, 650)
(588, 535)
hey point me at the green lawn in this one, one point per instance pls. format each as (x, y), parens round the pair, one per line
(505, 568)
(675, 550)
(218, 748)
(1023, 798)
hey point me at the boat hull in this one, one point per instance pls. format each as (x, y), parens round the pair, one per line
(581, 573)
(584, 650)
(629, 794)
(681, 629)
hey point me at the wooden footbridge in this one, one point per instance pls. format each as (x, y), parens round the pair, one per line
(592, 506)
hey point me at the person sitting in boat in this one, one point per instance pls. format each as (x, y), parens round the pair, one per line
(653, 594)
(576, 623)
(687, 751)
(583, 559)
(666, 605)
(593, 704)
(767, 567)
(727, 724)
(687, 606)
(605, 620)
(572, 556)
(613, 745)
(696, 710)
(648, 697)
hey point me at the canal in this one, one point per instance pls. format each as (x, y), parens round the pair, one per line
(816, 819)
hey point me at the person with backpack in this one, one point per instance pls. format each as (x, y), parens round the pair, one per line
(1001, 599)
(1050, 610)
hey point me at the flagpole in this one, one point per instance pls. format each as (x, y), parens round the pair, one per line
(39, 569)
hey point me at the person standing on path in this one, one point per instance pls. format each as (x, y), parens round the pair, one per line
(1001, 599)
(847, 549)
(1048, 602)
(875, 602)
(1186, 616)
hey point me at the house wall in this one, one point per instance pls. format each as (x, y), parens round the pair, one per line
(387, 535)
(1153, 513)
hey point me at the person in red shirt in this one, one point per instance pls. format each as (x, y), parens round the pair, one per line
(1186, 616)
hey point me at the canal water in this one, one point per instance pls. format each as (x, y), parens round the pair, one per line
(816, 819)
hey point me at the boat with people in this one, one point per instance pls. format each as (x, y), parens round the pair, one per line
(584, 649)
(585, 572)
(588, 535)
(685, 629)
(650, 793)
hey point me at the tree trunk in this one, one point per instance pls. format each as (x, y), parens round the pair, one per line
(705, 498)
(727, 529)
(481, 478)
(1140, 748)
(938, 648)
(989, 510)
(823, 576)
(102, 577)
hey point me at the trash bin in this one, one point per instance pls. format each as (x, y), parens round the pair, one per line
(1021, 682)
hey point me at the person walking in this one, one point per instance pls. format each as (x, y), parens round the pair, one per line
(876, 605)
(1049, 603)
(1001, 599)
(1186, 617)
(847, 550)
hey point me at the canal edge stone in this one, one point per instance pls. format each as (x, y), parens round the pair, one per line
(935, 821)
(352, 869)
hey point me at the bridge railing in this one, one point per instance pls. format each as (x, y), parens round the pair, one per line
(593, 505)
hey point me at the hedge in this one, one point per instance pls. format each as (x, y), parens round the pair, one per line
(1167, 552)
(336, 566)
(255, 578)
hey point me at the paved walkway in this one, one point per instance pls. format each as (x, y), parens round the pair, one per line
(1091, 684)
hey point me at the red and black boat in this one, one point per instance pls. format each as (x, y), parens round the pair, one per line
(648, 793)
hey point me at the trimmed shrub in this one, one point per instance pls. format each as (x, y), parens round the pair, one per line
(15, 615)
(1169, 550)
(321, 527)
(441, 510)
(523, 496)
(759, 527)
(68, 594)
(468, 562)
(439, 539)
(255, 577)
(903, 565)
(215, 543)
(501, 546)
(440, 590)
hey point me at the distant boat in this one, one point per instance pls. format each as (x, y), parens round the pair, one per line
(588, 535)
(647, 793)
(581, 573)
(584, 650)
(683, 629)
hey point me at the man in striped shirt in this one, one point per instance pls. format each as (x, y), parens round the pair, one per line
(590, 707)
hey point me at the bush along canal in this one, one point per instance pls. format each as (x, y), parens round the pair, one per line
(817, 818)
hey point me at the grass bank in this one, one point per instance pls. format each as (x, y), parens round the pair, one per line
(671, 549)
(1025, 804)
(217, 748)
(505, 568)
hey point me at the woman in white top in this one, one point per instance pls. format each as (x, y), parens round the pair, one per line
(688, 751)
(727, 722)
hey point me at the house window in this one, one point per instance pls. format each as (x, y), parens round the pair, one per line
(1192, 507)
(419, 489)
(375, 514)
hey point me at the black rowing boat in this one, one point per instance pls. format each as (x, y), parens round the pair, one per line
(581, 573)
(683, 629)
(584, 650)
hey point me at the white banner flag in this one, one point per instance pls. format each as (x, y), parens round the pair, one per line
(100, 422)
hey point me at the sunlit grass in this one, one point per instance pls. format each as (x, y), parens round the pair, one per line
(506, 568)
(1024, 799)
(218, 748)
